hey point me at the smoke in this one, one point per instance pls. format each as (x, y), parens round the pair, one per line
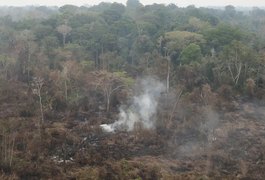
(210, 124)
(197, 138)
(142, 108)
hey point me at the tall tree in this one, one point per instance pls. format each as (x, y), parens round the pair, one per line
(237, 60)
(111, 83)
(192, 53)
(37, 85)
(64, 30)
(27, 42)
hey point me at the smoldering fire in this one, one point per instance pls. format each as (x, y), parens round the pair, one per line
(142, 109)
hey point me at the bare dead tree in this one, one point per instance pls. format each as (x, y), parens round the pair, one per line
(109, 83)
(37, 85)
(7, 148)
(175, 106)
(108, 90)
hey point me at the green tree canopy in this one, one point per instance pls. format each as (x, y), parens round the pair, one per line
(192, 53)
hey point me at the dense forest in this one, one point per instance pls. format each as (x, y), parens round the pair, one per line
(117, 91)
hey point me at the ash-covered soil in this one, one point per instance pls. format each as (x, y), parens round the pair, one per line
(232, 148)
(225, 144)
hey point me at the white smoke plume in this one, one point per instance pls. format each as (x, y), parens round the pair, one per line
(143, 107)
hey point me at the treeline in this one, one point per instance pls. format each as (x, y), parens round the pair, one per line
(186, 46)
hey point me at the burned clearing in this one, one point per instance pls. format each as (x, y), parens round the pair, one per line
(115, 91)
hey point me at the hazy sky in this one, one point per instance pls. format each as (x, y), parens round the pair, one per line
(180, 3)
